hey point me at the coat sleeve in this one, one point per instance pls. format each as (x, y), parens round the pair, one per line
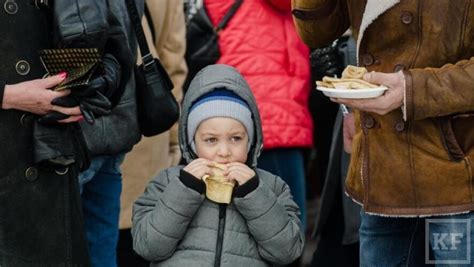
(161, 216)
(319, 22)
(284, 5)
(273, 219)
(435, 92)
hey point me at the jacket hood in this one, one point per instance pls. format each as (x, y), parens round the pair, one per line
(212, 77)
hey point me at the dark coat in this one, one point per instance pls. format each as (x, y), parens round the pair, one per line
(40, 213)
(118, 131)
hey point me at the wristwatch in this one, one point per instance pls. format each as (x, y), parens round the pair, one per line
(345, 110)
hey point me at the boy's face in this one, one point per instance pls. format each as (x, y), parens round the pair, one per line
(222, 140)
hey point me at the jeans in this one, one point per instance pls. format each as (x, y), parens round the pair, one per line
(389, 241)
(288, 163)
(101, 186)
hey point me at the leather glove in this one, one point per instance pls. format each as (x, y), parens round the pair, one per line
(326, 61)
(93, 98)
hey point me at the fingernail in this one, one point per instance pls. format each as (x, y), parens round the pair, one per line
(81, 118)
(62, 74)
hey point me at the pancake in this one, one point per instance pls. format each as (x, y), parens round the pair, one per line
(218, 188)
(351, 79)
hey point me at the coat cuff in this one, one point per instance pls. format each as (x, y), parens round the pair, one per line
(320, 10)
(408, 108)
(242, 190)
(192, 182)
(2, 91)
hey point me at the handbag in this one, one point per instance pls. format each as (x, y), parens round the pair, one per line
(157, 108)
(202, 46)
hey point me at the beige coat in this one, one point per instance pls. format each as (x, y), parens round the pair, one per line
(153, 154)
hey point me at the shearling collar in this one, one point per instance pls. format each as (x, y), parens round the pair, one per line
(373, 9)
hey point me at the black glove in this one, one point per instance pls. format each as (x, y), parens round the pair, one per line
(93, 98)
(106, 82)
(326, 61)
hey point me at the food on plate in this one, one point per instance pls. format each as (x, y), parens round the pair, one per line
(351, 79)
(353, 72)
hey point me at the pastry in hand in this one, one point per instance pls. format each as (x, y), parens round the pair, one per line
(353, 72)
(218, 188)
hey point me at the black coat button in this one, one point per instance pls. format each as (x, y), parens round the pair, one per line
(399, 67)
(369, 122)
(367, 59)
(22, 67)
(400, 126)
(10, 7)
(406, 17)
(26, 119)
(31, 174)
(62, 171)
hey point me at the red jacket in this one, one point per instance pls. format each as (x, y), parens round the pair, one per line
(261, 42)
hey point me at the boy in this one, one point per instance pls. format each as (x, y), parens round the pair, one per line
(175, 225)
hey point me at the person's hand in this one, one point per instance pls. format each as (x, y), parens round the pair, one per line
(392, 99)
(93, 99)
(239, 172)
(35, 97)
(348, 131)
(199, 167)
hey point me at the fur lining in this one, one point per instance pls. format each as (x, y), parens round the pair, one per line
(373, 9)
(416, 216)
(404, 215)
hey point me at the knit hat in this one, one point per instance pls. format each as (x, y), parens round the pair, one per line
(219, 103)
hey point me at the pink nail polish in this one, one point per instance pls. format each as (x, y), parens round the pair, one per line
(62, 74)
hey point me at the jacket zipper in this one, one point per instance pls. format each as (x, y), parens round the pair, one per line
(220, 235)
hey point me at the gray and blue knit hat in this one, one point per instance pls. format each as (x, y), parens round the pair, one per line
(219, 103)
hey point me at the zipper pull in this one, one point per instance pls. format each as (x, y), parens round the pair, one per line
(222, 208)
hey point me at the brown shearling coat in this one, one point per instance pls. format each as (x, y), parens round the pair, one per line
(422, 165)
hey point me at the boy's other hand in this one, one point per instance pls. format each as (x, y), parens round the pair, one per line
(239, 172)
(199, 167)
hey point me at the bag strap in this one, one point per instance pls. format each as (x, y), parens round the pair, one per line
(147, 57)
(223, 23)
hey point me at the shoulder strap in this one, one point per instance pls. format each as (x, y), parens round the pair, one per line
(147, 57)
(223, 23)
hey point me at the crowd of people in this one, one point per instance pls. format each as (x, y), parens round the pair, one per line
(81, 186)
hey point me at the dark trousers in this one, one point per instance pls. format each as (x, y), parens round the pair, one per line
(288, 163)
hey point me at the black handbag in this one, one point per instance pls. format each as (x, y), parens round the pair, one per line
(202, 46)
(157, 108)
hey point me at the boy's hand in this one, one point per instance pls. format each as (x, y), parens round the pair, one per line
(199, 167)
(239, 172)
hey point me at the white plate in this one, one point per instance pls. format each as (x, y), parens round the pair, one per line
(352, 93)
